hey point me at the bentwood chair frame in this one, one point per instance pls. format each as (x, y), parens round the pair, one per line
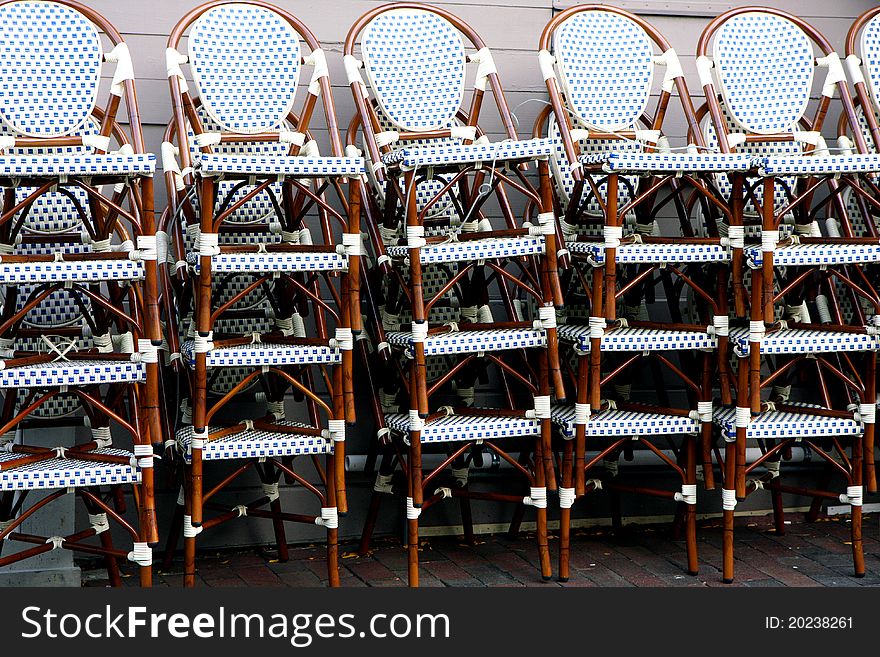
(863, 65)
(297, 269)
(603, 150)
(452, 145)
(834, 261)
(57, 162)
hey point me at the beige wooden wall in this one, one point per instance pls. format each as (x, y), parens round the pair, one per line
(510, 27)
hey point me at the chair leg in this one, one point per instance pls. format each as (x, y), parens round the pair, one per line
(566, 499)
(412, 550)
(173, 536)
(691, 509)
(541, 519)
(278, 526)
(189, 561)
(729, 505)
(370, 523)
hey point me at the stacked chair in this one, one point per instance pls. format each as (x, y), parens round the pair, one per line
(80, 323)
(435, 179)
(263, 292)
(614, 172)
(806, 369)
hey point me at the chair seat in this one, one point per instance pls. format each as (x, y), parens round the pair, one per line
(80, 164)
(72, 373)
(82, 271)
(271, 262)
(464, 342)
(653, 253)
(817, 165)
(255, 443)
(638, 339)
(779, 424)
(617, 424)
(232, 164)
(804, 341)
(67, 472)
(456, 428)
(660, 163)
(411, 157)
(816, 254)
(487, 249)
(254, 355)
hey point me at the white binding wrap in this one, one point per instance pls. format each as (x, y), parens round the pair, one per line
(412, 512)
(353, 68)
(547, 318)
(485, 67)
(202, 344)
(199, 438)
(386, 138)
(735, 139)
(688, 494)
(169, 163)
(823, 309)
(581, 413)
(673, 68)
(704, 70)
(736, 236)
(542, 407)
(343, 339)
(811, 137)
(757, 331)
(209, 244)
(98, 142)
(292, 137)
(853, 496)
(99, 522)
(188, 530)
(465, 132)
(271, 491)
(416, 423)
(566, 497)
(124, 68)
(173, 60)
(650, 137)
(317, 59)
(146, 352)
(854, 68)
(141, 554)
(7, 142)
(537, 497)
(835, 74)
(845, 146)
(143, 456)
(867, 413)
(720, 326)
(383, 484)
(351, 244)
(546, 61)
(704, 411)
(419, 331)
(743, 416)
(612, 235)
(597, 327)
(769, 240)
(337, 430)
(728, 499)
(329, 518)
(207, 139)
(547, 223)
(147, 248)
(415, 237)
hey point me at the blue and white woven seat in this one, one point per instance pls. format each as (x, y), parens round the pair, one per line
(616, 424)
(67, 472)
(256, 443)
(780, 424)
(81, 271)
(660, 163)
(72, 373)
(468, 250)
(804, 341)
(638, 339)
(456, 428)
(819, 165)
(278, 261)
(231, 165)
(816, 254)
(255, 355)
(652, 253)
(469, 342)
(55, 166)
(414, 157)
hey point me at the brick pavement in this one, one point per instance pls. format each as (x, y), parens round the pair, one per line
(816, 554)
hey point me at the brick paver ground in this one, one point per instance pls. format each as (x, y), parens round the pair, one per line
(809, 554)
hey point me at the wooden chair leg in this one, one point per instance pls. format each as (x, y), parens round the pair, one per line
(173, 537)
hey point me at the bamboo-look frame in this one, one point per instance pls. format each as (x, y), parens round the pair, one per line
(147, 426)
(547, 278)
(297, 201)
(604, 292)
(749, 381)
